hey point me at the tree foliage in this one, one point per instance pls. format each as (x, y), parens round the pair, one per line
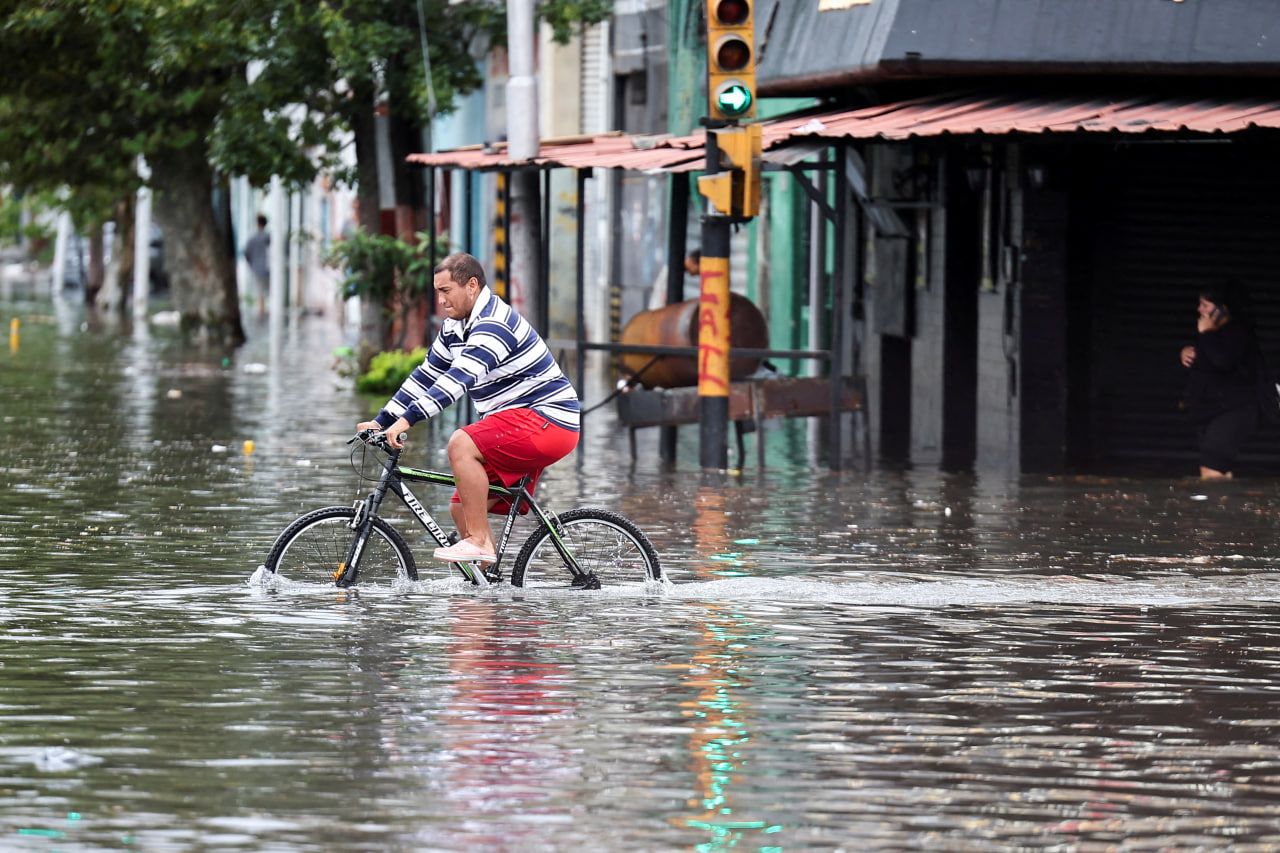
(273, 87)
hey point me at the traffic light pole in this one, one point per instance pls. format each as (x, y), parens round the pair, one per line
(713, 332)
(731, 187)
(713, 344)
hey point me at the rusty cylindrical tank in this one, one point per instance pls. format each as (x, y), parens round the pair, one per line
(677, 326)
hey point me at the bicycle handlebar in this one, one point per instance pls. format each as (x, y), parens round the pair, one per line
(374, 438)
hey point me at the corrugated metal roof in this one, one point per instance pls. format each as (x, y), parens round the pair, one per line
(608, 151)
(1000, 114)
(804, 49)
(973, 114)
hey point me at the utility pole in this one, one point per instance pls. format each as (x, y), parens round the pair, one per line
(731, 187)
(522, 144)
(142, 245)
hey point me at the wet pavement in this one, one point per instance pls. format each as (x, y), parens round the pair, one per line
(897, 661)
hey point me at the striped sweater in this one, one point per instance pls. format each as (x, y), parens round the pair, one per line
(497, 358)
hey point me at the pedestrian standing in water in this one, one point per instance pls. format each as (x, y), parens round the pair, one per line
(257, 253)
(1222, 383)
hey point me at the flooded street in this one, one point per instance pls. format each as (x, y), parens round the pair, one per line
(842, 661)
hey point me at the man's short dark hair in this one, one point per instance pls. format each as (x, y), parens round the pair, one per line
(262, 221)
(462, 267)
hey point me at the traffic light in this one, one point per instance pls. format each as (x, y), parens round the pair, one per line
(731, 59)
(734, 191)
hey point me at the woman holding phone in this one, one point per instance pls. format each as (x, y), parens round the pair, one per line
(1223, 378)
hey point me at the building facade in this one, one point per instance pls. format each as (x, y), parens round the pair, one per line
(1026, 311)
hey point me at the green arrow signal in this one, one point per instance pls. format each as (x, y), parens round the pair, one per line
(733, 99)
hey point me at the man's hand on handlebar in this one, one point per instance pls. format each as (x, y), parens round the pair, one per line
(394, 435)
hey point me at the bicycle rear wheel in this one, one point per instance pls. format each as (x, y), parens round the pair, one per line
(313, 549)
(604, 543)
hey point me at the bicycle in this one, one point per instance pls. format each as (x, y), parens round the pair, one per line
(584, 548)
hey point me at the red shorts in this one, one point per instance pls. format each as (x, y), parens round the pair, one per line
(516, 443)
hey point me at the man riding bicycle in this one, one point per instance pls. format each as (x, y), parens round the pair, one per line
(529, 411)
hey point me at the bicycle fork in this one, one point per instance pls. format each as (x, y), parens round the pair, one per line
(361, 522)
(582, 579)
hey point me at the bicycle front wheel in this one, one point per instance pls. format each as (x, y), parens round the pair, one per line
(314, 548)
(606, 545)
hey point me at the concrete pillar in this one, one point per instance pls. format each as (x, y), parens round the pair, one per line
(142, 246)
(278, 227)
(522, 144)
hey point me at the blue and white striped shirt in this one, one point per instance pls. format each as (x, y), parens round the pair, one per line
(497, 358)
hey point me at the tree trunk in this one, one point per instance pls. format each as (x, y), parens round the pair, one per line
(96, 272)
(226, 233)
(201, 272)
(374, 320)
(119, 275)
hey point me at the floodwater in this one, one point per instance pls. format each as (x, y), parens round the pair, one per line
(841, 661)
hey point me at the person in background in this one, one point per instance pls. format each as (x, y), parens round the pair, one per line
(693, 263)
(658, 291)
(1222, 380)
(257, 253)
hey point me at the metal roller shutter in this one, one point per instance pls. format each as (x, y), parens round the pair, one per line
(1169, 219)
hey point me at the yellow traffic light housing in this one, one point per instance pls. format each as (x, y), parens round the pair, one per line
(735, 190)
(731, 59)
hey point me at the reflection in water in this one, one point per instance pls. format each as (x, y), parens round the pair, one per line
(903, 660)
(720, 745)
(498, 755)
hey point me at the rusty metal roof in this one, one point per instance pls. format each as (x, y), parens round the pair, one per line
(971, 114)
(607, 151)
(999, 114)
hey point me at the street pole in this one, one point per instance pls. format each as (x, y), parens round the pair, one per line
(713, 342)
(731, 187)
(522, 144)
(142, 245)
(278, 228)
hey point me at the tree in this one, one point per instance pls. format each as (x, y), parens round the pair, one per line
(89, 87)
(207, 88)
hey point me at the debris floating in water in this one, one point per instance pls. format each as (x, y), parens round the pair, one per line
(174, 393)
(219, 448)
(60, 759)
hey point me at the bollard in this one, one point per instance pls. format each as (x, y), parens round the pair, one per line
(14, 325)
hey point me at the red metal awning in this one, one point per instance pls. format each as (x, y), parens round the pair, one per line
(608, 151)
(972, 114)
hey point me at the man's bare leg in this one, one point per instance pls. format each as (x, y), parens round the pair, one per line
(473, 491)
(459, 519)
(1210, 474)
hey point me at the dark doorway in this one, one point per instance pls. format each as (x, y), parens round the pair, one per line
(960, 369)
(1154, 223)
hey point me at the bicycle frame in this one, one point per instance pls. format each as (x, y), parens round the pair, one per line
(393, 479)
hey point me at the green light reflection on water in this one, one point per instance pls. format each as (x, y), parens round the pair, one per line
(724, 754)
